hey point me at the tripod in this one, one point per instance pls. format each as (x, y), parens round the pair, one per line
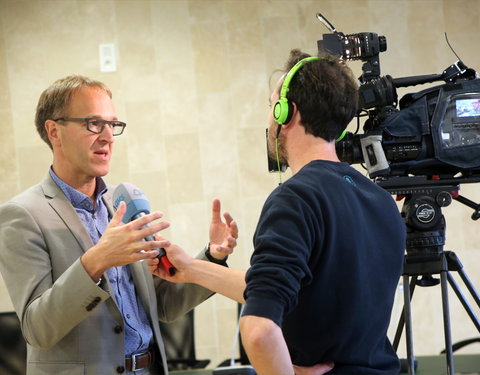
(425, 257)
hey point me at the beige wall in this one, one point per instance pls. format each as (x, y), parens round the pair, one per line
(192, 84)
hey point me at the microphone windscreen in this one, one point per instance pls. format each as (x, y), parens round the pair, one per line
(137, 202)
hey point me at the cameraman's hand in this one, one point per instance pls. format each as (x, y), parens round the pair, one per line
(122, 244)
(319, 369)
(178, 258)
(223, 236)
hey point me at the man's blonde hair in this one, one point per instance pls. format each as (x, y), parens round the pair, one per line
(56, 99)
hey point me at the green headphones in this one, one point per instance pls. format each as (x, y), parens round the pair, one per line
(283, 109)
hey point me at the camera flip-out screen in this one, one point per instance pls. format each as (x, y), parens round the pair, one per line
(461, 126)
(468, 107)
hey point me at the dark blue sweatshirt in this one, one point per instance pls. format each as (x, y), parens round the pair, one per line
(328, 255)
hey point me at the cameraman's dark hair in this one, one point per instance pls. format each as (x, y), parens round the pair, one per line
(325, 92)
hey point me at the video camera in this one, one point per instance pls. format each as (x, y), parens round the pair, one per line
(435, 132)
(421, 152)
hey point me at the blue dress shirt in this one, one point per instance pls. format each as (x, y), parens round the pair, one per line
(138, 332)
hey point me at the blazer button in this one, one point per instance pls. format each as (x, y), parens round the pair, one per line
(120, 369)
(118, 329)
(97, 299)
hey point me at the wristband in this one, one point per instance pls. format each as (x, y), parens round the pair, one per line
(222, 262)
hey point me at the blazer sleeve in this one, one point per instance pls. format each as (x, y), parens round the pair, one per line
(49, 307)
(174, 300)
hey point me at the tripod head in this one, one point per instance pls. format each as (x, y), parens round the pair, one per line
(441, 189)
(425, 225)
(424, 220)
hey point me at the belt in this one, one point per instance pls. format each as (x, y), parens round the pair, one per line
(139, 361)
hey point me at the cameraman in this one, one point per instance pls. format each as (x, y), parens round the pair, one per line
(329, 243)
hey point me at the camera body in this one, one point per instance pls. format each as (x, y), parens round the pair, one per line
(435, 131)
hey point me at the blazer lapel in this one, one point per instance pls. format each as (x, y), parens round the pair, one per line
(64, 209)
(146, 290)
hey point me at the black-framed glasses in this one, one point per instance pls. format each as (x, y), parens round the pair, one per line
(96, 125)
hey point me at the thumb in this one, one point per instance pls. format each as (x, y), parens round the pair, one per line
(118, 215)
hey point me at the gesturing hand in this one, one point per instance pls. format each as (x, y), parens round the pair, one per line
(223, 236)
(122, 244)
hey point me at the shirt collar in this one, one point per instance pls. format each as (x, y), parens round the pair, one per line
(78, 199)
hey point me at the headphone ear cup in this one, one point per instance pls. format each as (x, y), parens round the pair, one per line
(282, 111)
(289, 113)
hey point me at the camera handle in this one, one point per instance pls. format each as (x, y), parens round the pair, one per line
(425, 257)
(469, 203)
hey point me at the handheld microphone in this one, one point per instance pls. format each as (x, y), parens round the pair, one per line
(138, 206)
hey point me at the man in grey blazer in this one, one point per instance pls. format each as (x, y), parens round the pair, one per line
(76, 274)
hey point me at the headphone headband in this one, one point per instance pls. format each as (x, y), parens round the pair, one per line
(283, 109)
(291, 73)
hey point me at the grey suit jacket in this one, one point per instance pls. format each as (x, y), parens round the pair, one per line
(71, 325)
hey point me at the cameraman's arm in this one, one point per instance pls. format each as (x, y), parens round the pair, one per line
(267, 350)
(217, 278)
(265, 346)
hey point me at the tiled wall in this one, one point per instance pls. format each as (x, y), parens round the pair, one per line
(193, 82)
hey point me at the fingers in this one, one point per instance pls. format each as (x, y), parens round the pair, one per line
(159, 237)
(232, 242)
(145, 220)
(151, 230)
(118, 215)
(216, 211)
(222, 252)
(143, 228)
(228, 218)
(156, 267)
(153, 262)
(149, 246)
(139, 223)
(232, 224)
(141, 255)
(228, 246)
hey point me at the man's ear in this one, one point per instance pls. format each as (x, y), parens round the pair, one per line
(51, 128)
(294, 118)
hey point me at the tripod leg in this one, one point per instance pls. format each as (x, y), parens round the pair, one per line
(469, 285)
(463, 301)
(454, 264)
(408, 324)
(446, 323)
(401, 320)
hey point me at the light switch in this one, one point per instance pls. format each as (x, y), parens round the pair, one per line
(108, 61)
